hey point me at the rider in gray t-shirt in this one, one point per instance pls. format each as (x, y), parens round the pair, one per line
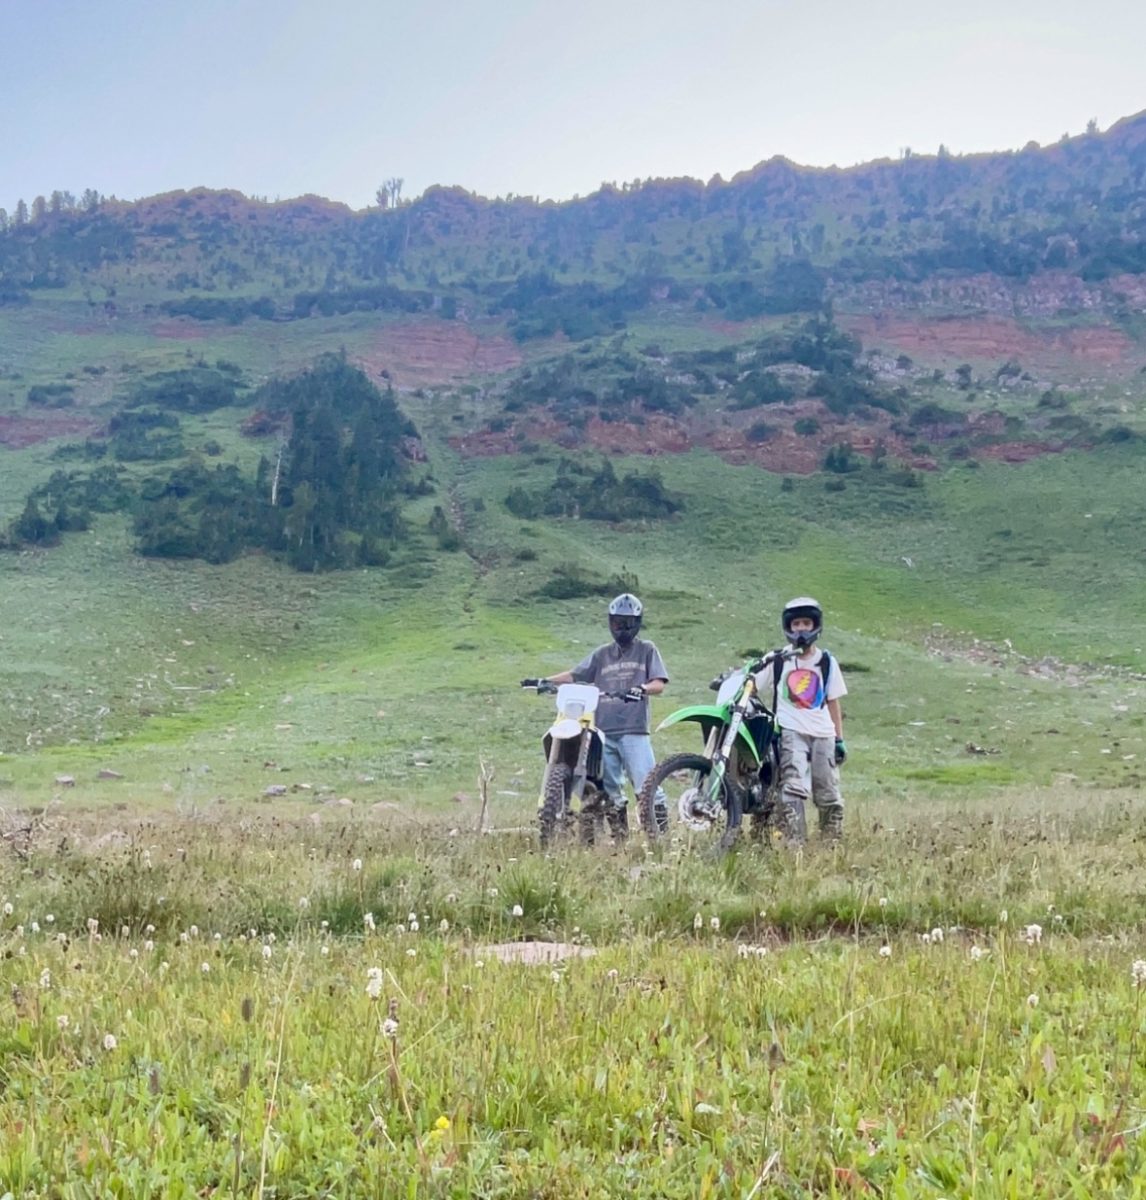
(627, 664)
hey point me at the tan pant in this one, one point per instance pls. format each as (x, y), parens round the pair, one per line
(808, 769)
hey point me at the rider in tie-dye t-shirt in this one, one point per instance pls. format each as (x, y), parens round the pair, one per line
(811, 724)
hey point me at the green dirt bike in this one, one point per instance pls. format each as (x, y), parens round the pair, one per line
(737, 773)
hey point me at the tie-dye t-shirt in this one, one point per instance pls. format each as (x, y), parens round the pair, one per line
(801, 702)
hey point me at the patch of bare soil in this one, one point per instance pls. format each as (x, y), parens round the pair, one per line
(430, 351)
(181, 329)
(18, 430)
(533, 954)
(950, 647)
(994, 338)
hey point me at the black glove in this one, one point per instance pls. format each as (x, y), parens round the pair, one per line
(841, 751)
(531, 683)
(634, 694)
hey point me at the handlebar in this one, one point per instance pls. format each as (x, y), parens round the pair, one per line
(544, 688)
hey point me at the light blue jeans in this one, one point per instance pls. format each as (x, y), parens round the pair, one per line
(628, 754)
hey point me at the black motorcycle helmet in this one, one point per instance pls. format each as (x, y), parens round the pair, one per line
(625, 618)
(802, 606)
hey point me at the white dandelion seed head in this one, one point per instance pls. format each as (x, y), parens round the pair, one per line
(1032, 1001)
(555, 976)
(714, 924)
(443, 926)
(518, 911)
(149, 945)
(267, 952)
(45, 979)
(185, 937)
(109, 1042)
(885, 951)
(412, 918)
(271, 938)
(492, 893)
(743, 951)
(925, 938)
(164, 967)
(62, 1021)
(368, 921)
(374, 982)
(883, 902)
(937, 934)
(1138, 972)
(125, 931)
(324, 924)
(133, 953)
(93, 924)
(8, 909)
(1033, 934)
(400, 928)
(390, 1028)
(411, 953)
(304, 902)
(698, 922)
(356, 865)
(149, 930)
(324, 951)
(452, 898)
(35, 927)
(1003, 917)
(478, 964)
(194, 931)
(19, 931)
(49, 919)
(216, 937)
(611, 974)
(414, 927)
(205, 968)
(977, 952)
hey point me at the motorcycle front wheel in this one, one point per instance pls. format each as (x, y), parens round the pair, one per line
(554, 802)
(681, 776)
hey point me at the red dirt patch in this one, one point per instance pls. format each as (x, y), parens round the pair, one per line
(994, 339)
(18, 431)
(432, 351)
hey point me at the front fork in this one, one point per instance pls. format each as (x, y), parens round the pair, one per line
(723, 756)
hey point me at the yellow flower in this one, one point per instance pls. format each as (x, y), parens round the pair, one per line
(442, 1123)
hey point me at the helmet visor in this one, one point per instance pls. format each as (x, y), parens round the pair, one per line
(623, 628)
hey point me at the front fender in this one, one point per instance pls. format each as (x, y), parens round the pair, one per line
(564, 728)
(708, 715)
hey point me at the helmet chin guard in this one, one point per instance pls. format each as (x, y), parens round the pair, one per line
(802, 606)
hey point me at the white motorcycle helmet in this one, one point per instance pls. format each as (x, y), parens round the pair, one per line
(802, 606)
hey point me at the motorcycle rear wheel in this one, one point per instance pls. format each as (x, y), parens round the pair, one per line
(676, 774)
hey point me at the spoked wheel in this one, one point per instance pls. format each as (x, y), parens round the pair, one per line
(684, 778)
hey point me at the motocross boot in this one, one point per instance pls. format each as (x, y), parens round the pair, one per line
(619, 824)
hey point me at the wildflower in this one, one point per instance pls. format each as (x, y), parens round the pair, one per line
(184, 937)
(518, 911)
(1003, 917)
(149, 930)
(925, 938)
(492, 893)
(49, 919)
(271, 938)
(62, 1022)
(742, 951)
(1058, 918)
(374, 982)
(698, 922)
(35, 927)
(324, 951)
(164, 967)
(109, 1042)
(452, 898)
(133, 953)
(885, 951)
(304, 902)
(1032, 1001)
(412, 918)
(356, 865)
(443, 926)
(8, 909)
(611, 974)
(205, 968)
(937, 934)
(714, 924)
(149, 945)
(414, 927)
(478, 964)
(1033, 934)
(217, 937)
(368, 921)
(19, 931)
(1138, 973)
(399, 929)
(411, 953)
(194, 931)
(97, 938)
(555, 976)
(442, 1124)
(977, 953)
(93, 925)
(125, 931)
(883, 902)
(267, 952)
(45, 979)
(390, 1028)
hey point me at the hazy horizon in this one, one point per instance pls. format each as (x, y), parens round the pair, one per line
(283, 98)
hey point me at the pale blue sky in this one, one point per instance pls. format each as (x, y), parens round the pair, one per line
(535, 97)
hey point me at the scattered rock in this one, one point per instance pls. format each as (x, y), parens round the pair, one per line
(365, 778)
(107, 773)
(65, 781)
(341, 802)
(275, 789)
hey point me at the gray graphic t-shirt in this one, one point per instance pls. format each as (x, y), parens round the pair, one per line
(615, 668)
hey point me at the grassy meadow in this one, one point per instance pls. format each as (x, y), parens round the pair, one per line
(230, 794)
